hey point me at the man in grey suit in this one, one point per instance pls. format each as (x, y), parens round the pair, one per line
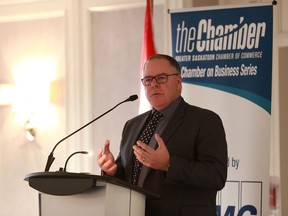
(185, 162)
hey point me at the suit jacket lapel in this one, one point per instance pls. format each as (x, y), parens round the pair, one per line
(174, 123)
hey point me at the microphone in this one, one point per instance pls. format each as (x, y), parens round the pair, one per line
(77, 152)
(51, 158)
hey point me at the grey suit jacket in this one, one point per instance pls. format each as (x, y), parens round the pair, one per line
(195, 139)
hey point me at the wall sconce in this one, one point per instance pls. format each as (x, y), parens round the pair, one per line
(7, 95)
(30, 132)
(30, 96)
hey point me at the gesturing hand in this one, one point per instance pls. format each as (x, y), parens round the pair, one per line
(157, 159)
(106, 160)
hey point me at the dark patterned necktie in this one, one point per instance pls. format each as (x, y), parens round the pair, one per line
(144, 137)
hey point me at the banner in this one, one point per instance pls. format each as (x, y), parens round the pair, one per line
(225, 56)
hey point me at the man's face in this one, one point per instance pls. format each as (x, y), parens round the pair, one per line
(161, 95)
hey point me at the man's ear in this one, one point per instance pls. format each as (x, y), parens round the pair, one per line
(179, 80)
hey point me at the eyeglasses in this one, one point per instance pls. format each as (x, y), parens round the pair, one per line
(160, 79)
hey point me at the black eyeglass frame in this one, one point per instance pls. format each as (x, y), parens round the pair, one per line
(157, 78)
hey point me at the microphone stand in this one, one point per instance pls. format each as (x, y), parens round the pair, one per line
(51, 158)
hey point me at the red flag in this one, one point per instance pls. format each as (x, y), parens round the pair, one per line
(148, 50)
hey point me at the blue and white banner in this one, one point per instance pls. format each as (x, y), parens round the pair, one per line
(225, 56)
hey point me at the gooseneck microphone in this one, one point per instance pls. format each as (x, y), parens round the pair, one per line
(51, 158)
(77, 152)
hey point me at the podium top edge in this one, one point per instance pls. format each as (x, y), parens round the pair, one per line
(107, 179)
(59, 174)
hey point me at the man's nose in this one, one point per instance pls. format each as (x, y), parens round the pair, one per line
(154, 83)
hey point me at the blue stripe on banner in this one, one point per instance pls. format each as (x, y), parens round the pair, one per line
(260, 101)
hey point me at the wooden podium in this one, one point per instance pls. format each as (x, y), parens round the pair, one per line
(77, 194)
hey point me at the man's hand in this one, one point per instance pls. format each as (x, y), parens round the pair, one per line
(158, 159)
(106, 160)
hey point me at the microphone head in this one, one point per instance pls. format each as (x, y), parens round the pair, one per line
(132, 97)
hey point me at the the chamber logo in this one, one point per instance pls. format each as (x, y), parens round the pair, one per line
(207, 37)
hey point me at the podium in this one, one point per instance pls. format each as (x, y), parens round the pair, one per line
(74, 194)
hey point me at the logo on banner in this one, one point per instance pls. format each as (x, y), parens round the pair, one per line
(208, 37)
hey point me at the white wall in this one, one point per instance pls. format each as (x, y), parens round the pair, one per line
(25, 40)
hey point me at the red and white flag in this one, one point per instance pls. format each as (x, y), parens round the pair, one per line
(148, 50)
